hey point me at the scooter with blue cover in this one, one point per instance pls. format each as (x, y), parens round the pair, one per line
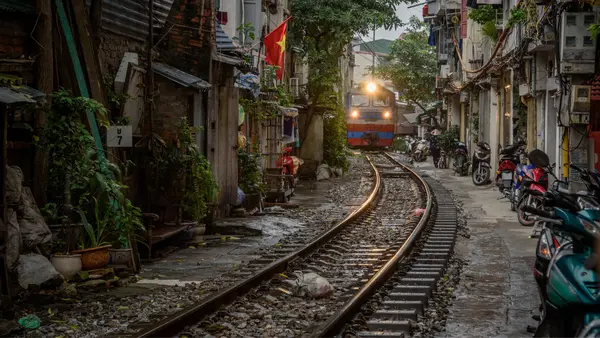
(569, 289)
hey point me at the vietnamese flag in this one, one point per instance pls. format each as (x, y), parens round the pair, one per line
(275, 47)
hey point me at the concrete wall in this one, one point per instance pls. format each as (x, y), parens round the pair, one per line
(172, 103)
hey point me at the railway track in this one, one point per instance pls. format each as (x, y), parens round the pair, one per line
(357, 256)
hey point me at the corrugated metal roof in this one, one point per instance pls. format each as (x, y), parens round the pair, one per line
(180, 77)
(130, 17)
(224, 42)
(21, 94)
(21, 6)
(230, 60)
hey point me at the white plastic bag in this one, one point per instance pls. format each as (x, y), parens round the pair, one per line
(312, 285)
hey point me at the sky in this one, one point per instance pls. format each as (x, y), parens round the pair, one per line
(404, 14)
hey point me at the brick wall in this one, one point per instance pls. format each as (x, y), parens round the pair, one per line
(14, 36)
(187, 46)
(112, 48)
(172, 102)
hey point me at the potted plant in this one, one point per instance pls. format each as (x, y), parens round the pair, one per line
(129, 225)
(64, 236)
(93, 245)
(250, 178)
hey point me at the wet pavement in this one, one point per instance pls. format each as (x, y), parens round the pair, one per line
(497, 294)
(208, 257)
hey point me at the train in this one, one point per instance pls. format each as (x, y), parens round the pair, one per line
(371, 117)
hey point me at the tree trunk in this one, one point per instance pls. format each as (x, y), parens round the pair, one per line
(45, 83)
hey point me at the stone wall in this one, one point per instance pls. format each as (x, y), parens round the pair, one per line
(172, 102)
(111, 51)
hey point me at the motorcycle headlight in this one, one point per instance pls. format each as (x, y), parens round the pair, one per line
(587, 204)
(593, 228)
(543, 249)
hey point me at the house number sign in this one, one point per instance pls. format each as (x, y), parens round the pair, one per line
(119, 137)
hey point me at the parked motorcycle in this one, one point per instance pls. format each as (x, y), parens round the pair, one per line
(565, 261)
(481, 164)
(534, 177)
(461, 164)
(290, 165)
(509, 158)
(421, 151)
(442, 160)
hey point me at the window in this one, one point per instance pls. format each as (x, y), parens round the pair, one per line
(381, 101)
(571, 20)
(587, 41)
(360, 100)
(588, 20)
(571, 41)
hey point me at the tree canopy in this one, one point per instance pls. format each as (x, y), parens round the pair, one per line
(323, 30)
(413, 65)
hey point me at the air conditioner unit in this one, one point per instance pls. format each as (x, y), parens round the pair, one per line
(444, 71)
(577, 48)
(294, 86)
(580, 104)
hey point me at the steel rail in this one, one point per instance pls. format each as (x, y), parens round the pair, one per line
(191, 315)
(336, 323)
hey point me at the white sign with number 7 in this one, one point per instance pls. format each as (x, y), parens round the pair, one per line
(119, 137)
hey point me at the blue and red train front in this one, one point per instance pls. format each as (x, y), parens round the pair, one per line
(371, 122)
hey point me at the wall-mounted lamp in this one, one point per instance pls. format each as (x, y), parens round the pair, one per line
(507, 87)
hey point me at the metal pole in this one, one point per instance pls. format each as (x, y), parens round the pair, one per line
(150, 89)
(373, 50)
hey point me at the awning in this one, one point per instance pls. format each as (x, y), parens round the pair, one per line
(412, 118)
(248, 81)
(288, 111)
(20, 94)
(224, 43)
(228, 59)
(433, 105)
(180, 77)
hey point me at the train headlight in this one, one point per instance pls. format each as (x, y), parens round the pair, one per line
(355, 114)
(387, 114)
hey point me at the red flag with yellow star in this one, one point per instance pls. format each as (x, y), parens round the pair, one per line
(275, 47)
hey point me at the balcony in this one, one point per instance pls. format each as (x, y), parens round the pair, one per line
(443, 7)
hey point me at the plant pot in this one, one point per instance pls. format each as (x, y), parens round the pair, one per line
(67, 265)
(66, 233)
(94, 258)
(120, 256)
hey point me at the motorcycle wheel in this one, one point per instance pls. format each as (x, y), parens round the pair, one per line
(459, 163)
(530, 200)
(513, 205)
(481, 175)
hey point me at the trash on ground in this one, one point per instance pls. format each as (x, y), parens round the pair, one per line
(312, 285)
(31, 322)
(323, 172)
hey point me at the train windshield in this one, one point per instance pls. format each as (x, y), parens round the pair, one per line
(381, 101)
(360, 100)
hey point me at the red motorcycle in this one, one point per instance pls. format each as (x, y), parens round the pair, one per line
(535, 184)
(509, 158)
(290, 166)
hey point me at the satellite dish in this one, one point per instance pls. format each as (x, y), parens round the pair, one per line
(455, 20)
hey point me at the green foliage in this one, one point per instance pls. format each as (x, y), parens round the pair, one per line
(259, 109)
(250, 177)
(246, 30)
(335, 149)
(447, 139)
(414, 66)
(400, 144)
(483, 14)
(517, 16)
(323, 30)
(114, 100)
(96, 232)
(177, 168)
(595, 30)
(489, 29)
